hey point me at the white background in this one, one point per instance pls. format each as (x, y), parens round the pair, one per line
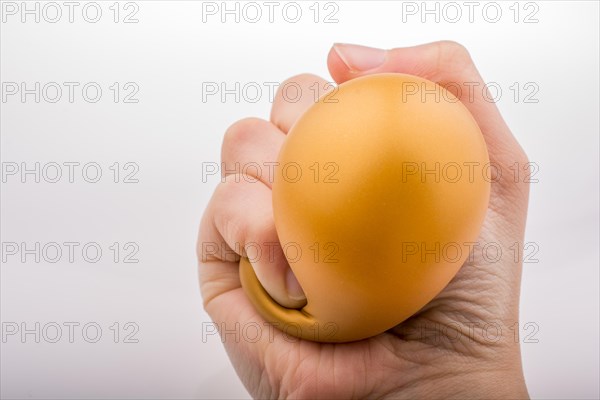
(171, 131)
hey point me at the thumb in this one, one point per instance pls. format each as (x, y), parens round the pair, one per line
(447, 63)
(450, 65)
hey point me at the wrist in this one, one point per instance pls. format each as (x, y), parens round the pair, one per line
(473, 386)
(475, 381)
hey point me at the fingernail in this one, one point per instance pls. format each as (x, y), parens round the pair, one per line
(293, 287)
(359, 58)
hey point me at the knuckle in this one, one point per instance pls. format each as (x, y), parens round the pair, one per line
(264, 230)
(456, 49)
(454, 54)
(240, 132)
(226, 198)
(242, 232)
(301, 81)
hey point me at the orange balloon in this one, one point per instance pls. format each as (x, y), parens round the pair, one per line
(379, 194)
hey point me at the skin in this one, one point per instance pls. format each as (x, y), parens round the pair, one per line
(443, 351)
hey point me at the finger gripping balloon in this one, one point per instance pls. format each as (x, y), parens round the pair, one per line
(380, 192)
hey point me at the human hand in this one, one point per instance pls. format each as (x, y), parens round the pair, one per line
(443, 351)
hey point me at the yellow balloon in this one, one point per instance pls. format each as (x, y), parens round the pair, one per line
(380, 191)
